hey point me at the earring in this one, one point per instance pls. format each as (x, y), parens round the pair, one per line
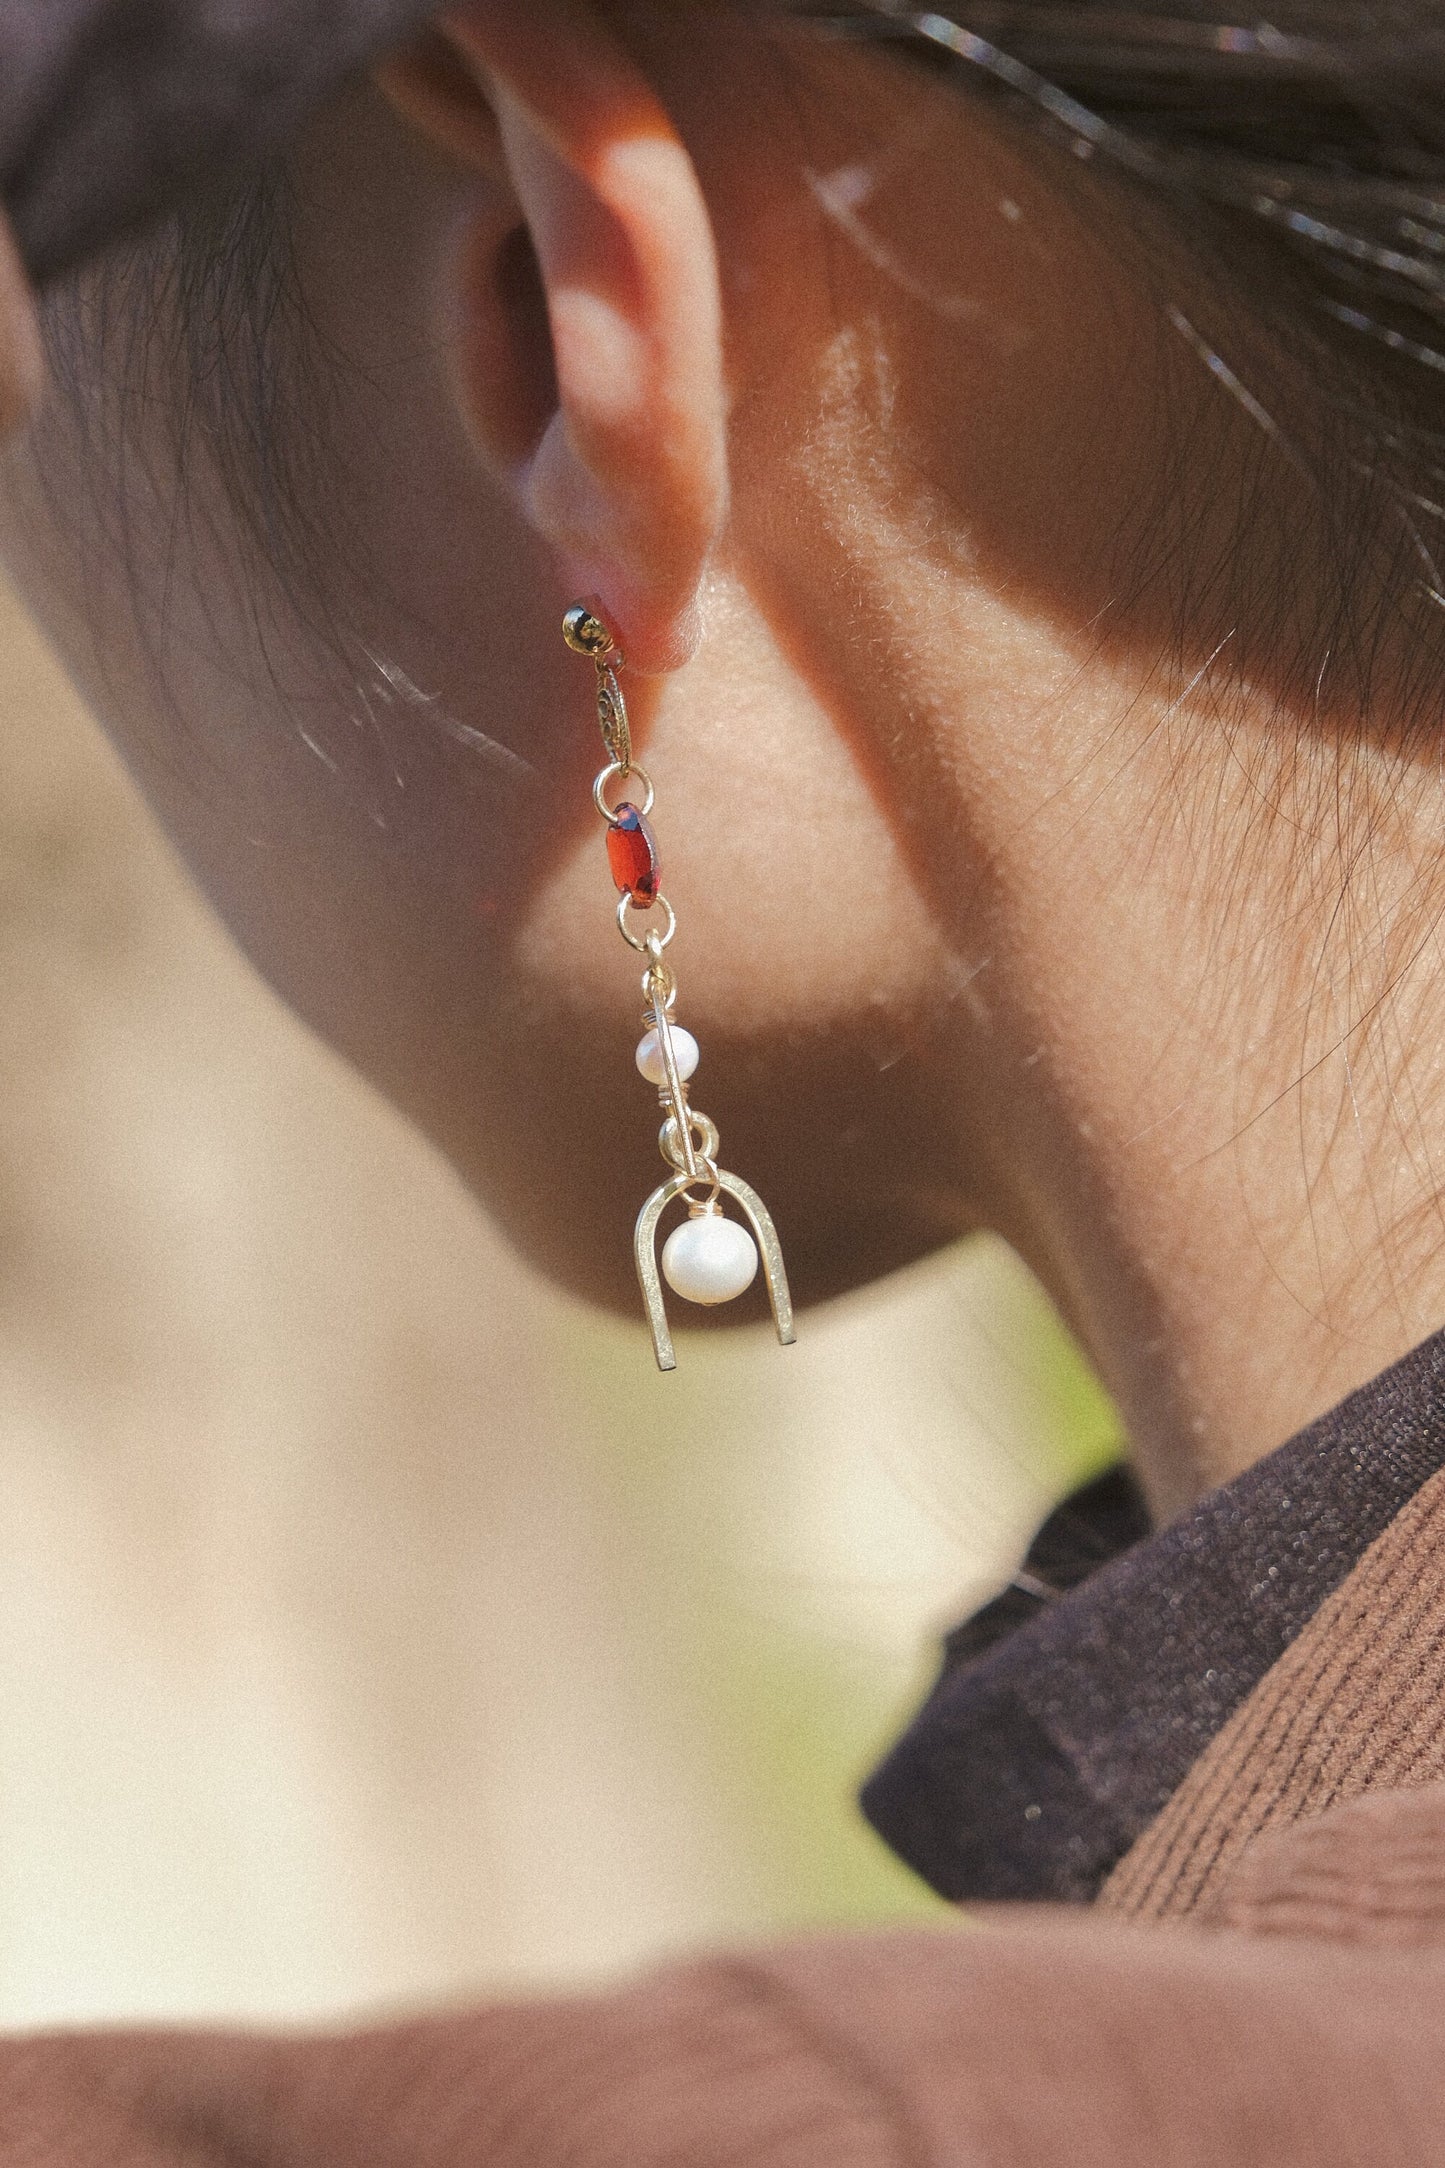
(707, 1258)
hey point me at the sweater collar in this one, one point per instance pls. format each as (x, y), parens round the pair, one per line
(1072, 1707)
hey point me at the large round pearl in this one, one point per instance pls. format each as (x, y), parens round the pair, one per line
(709, 1259)
(649, 1055)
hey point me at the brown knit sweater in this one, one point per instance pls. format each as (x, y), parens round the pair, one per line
(1261, 1983)
(1308, 2031)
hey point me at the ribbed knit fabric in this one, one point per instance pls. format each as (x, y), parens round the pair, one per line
(1370, 1872)
(1035, 1767)
(1355, 1703)
(1032, 2038)
(702, 2063)
(1052, 2041)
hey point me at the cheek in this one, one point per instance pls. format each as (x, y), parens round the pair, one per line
(807, 967)
(456, 938)
(395, 821)
(796, 910)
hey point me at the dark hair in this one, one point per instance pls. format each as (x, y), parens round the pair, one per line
(1303, 161)
(1321, 132)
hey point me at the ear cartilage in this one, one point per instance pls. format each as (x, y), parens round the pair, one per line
(708, 1257)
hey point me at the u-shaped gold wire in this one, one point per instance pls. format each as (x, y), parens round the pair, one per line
(650, 1278)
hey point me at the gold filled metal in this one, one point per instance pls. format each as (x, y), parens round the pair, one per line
(649, 1279)
(586, 634)
(688, 1141)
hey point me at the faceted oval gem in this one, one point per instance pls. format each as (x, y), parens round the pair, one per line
(632, 855)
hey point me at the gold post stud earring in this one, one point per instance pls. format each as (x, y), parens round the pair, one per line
(707, 1258)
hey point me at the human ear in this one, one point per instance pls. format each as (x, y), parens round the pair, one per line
(590, 364)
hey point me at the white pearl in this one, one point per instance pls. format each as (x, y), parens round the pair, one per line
(649, 1055)
(709, 1259)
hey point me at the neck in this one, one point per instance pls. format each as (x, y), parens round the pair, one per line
(1190, 1035)
(1186, 998)
(1210, 1037)
(1183, 1060)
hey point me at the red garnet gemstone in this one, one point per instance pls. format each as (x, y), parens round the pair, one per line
(632, 855)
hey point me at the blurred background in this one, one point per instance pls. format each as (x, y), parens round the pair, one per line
(375, 1623)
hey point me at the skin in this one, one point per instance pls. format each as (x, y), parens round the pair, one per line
(1017, 885)
(21, 364)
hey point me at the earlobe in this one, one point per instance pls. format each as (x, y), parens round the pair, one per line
(591, 369)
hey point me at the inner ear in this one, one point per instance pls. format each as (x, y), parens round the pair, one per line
(507, 353)
(523, 298)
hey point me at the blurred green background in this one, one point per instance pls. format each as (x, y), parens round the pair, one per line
(376, 1624)
(808, 1523)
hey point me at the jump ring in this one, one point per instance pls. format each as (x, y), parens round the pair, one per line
(712, 1178)
(705, 1140)
(613, 772)
(639, 941)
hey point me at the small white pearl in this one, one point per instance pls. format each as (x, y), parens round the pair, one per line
(709, 1259)
(649, 1055)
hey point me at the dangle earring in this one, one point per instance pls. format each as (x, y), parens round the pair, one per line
(707, 1258)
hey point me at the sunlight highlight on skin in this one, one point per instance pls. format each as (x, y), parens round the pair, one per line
(838, 196)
